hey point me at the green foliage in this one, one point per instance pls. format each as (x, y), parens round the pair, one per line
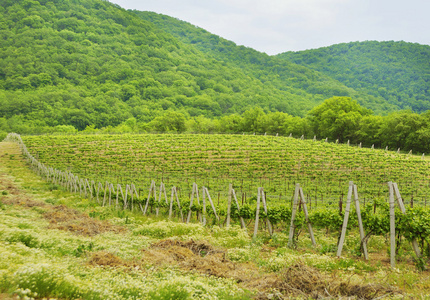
(376, 217)
(24, 237)
(337, 118)
(292, 76)
(83, 249)
(322, 168)
(395, 71)
(41, 281)
(170, 291)
(167, 229)
(74, 66)
(326, 217)
(93, 63)
(169, 122)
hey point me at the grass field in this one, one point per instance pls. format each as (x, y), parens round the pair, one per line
(60, 245)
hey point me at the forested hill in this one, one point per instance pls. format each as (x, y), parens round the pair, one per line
(273, 70)
(90, 62)
(397, 71)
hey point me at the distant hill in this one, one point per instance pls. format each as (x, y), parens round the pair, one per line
(279, 72)
(399, 72)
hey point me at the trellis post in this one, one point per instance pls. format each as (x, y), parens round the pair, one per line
(394, 192)
(299, 197)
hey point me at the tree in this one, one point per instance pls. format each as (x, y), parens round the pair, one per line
(169, 122)
(231, 123)
(400, 130)
(254, 120)
(368, 130)
(337, 118)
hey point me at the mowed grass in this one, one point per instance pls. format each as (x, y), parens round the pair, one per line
(323, 169)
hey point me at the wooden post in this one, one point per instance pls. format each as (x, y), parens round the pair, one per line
(242, 222)
(230, 187)
(151, 191)
(269, 225)
(204, 207)
(257, 214)
(133, 192)
(191, 204)
(308, 222)
(211, 203)
(127, 187)
(199, 213)
(293, 216)
(299, 197)
(403, 210)
(118, 189)
(171, 203)
(392, 227)
(179, 205)
(162, 189)
(345, 219)
(360, 223)
(110, 193)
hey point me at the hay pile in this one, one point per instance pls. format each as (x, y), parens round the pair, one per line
(103, 258)
(306, 281)
(298, 280)
(65, 218)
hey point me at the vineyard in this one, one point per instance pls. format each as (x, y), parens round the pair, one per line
(244, 163)
(247, 161)
(294, 195)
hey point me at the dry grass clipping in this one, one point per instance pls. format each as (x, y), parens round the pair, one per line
(65, 218)
(298, 280)
(306, 281)
(22, 200)
(103, 258)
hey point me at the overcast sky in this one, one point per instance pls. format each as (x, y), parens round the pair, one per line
(276, 26)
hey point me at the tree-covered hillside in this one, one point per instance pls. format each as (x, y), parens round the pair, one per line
(90, 62)
(273, 70)
(397, 71)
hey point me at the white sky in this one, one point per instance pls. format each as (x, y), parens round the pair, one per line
(276, 26)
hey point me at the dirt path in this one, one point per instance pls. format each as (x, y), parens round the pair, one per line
(59, 216)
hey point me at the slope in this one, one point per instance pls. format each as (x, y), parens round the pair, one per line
(91, 62)
(273, 70)
(397, 71)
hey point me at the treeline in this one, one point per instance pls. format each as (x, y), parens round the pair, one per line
(338, 119)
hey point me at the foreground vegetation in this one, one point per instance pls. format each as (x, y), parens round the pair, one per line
(122, 255)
